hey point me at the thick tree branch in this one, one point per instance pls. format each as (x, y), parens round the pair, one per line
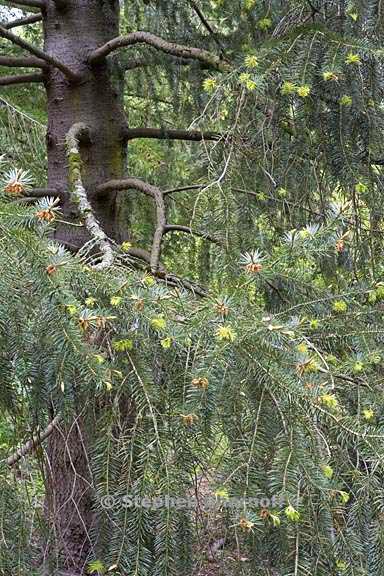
(23, 21)
(36, 441)
(160, 44)
(21, 79)
(157, 195)
(4, 33)
(16, 62)
(162, 227)
(79, 194)
(126, 184)
(164, 134)
(188, 230)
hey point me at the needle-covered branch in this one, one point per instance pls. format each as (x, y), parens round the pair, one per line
(4, 33)
(165, 134)
(32, 444)
(20, 79)
(79, 195)
(23, 21)
(16, 62)
(158, 60)
(171, 48)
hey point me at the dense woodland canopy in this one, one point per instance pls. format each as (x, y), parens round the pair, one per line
(192, 287)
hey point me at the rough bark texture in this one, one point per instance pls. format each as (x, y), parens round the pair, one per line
(86, 147)
(69, 502)
(70, 34)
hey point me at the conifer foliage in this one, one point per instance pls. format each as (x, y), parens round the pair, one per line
(193, 296)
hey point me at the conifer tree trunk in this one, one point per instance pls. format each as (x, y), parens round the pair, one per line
(70, 34)
(87, 140)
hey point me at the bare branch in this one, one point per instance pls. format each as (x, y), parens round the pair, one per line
(42, 192)
(162, 227)
(159, 231)
(4, 33)
(20, 79)
(164, 134)
(79, 194)
(167, 277)
(29, 3)
(188, 230)
(126, 184)
(205, 23)
(23, 21)
(157, 195)
(16, 62)
(174, 280)
(36, 441)
(184, 188)
(160, 44)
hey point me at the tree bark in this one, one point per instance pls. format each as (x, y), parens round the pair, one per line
(70, 35)
(87, 139)
(69, 501)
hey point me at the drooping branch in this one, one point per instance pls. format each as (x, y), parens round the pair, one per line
(21, 79)
(165, 134)
(157, 195)
(4, 33)
(165, 276)
(188, 230)
(205, 23)
(79, 194)
(126, 184)
(28, 62)
(159, 230)
(184, 188)
(36, 441)
(171, 48)
(23, 21)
